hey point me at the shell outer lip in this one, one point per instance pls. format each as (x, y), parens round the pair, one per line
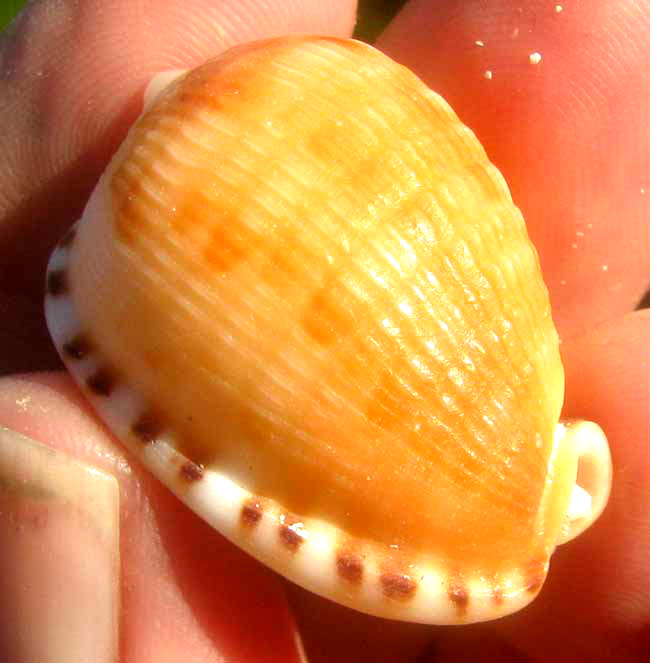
(594, 477)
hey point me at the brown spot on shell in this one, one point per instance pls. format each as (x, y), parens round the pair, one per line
(350, 567)
(148, 427)
(251, 513)
(459, 596)
(325, 319)
(57, 284)
(534, 576)
(200, 96)
(191, 472)
(289, 258)
(77, 348)
(101, 382)
(230, 242)
(398, 586)
(290, 533)
(68, 238)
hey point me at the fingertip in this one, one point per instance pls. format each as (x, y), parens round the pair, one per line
(59, 565)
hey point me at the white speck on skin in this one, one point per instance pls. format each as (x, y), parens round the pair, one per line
(558, 9)
(642, 191)
(590, 226)
(22, 403)
(487, 74)
(514, 34)
(535, 58)
(563, 282)
(579, 233)
(605, 268)
(221, 33)
(478, 42)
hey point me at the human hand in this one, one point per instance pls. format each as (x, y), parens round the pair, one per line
(570, 137)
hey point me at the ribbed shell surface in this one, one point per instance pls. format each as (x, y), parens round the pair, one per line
(312, 274)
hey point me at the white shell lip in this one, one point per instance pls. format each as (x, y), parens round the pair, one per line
(158, 84)
(594, 479)
(311, 556)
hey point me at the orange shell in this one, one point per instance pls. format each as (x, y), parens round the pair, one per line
(310, 280)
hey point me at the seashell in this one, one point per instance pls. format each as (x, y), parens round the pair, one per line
(303, 297)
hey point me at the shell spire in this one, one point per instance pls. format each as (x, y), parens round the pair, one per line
(303, 297)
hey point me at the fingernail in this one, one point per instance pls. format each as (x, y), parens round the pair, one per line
(59, 556)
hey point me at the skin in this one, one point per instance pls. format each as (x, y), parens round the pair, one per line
(570, 137)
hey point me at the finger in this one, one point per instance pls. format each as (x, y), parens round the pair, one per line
(568, 131)
(187, 593)
(59, 558)
(331, 632)
(71, 83)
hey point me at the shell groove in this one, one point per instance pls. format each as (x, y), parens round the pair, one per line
(303, 295)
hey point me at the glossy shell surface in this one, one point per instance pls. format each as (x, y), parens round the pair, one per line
(303, 296)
